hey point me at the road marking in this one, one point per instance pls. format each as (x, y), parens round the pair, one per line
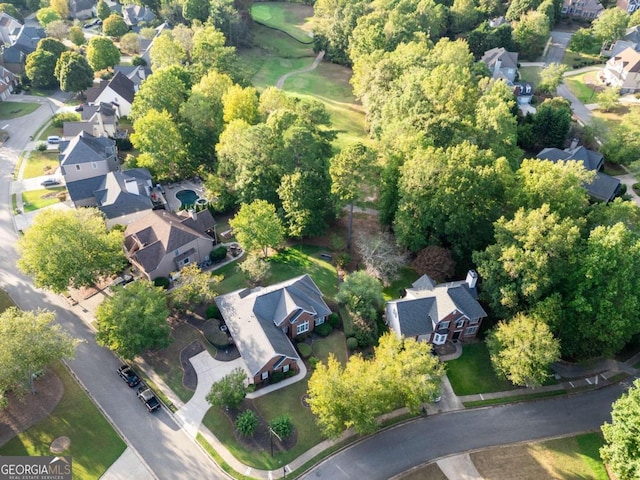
(572, 385)
(5, 126)
(588, 381)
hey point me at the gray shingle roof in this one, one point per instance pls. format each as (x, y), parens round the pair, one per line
(84, 189)
(85, 148)
(414, 314)
(123, 86)
(252, 316)
(604, 187)
(508, 59)
(114, 199)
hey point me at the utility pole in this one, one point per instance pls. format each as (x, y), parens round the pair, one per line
(271, 434)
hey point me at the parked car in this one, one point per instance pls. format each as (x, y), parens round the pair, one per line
(93, 23)
(79, 108)
(121, 281)
(53, 139)
(128, 375)
(50, 182)
(146, 396)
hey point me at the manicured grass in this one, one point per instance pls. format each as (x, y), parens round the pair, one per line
(515, 398)
(37, 199)
(94, 443)
(5, 301)
(530, 74)
(280, 44)
(616, 116)
(219, 460)
(40, 162)
(472, 373)
(265, 69)
(286, 400)
(16, 109)
(48, 131)
(580, 89)
(407, 276)
(166, 362)
(14, 204)
(289, 17)
(572, 59)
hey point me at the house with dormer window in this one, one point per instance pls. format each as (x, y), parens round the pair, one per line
(437, 313)
(263, 321)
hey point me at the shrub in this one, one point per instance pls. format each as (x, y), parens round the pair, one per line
(41, 147)
(247, 423)
(305, 350)
(343, 260)
(365, 331)
(163, 282)
(282, 426)
(218, 254)
(62, 196)
(138, 61)
(313, 362)
(276, 377)
(324, 329)
(214, 335)
(123, 144)
(352, 343)
(59, 118)
(623, 189)
(212, 311)
(334, 320)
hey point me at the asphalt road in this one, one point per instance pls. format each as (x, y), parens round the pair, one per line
(394, 451)
(559, 42)
(168, 451)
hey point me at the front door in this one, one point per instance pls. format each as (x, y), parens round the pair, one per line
(456, 335)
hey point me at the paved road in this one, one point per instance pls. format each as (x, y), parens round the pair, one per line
(396, 450)
(166, 449)
(559, 42)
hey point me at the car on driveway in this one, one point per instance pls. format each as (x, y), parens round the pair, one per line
(121, 281)
(146, 396)
(50, 182)
(128, 375)
(53, 139)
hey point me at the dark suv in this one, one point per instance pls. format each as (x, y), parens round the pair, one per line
(128, 375)
(146, 396)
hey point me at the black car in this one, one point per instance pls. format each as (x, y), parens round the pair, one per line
(128, 375)
(149, 399)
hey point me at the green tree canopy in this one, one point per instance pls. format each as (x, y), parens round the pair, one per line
(402, 372)
(551, 77)
(74, 72)
(29, 341)
(257, 227)
(362, 294)
(610, 25)
(229, 391)
(240, 104)
(69, 248)
(531, 34)
(166, 90)
(622, 451)
(40, 68)
(10, 9)
(522, 350)
(134, 319)
(102, 53)
(195, 10)
(193, 287)
(114, 26)
(166, 52)
(103, 10)
(47, 15)
(76, 35)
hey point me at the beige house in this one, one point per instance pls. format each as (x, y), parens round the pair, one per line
(589, 9)
(160, 242)
(623, 71)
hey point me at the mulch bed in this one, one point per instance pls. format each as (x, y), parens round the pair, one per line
(189, 376)
(23, 412)
(261, 440)
(196, 319)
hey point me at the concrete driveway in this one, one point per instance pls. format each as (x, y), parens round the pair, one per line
(209, 371)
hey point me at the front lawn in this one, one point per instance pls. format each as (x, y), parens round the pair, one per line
(286, 400)
(95, 445)
(472, 373)
(37, 199)
(40, 163)
(16, 109)
(580, 89)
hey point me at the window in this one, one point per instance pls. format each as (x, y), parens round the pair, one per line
(474, 321)
(94, 165)
(319, 321)
(443, 325)
(77, 167)
(176, 253)
(471, 330)
(285, 368)
(303, 327)
(439, 338)
(460, 323)
(265, 375)
(186, 261)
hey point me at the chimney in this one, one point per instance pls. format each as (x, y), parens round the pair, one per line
(193, 214)
(574, 144)
(472, 278)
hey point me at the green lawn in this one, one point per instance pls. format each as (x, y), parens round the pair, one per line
(50, 130)
(279, 43)
(265, 69)
(94, 443)
(472, 373)
(575, 60)
(16, 109)
(407, 276)
(581, 90)
(286, 400)
(288, 17)
(37, 199)
(39, 163)
(530, 74)
(5, 301)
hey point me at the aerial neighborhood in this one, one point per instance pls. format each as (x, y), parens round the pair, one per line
(243, 236)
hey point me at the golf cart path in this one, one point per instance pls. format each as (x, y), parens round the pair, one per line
(313, 66)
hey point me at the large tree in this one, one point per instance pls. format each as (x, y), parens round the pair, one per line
(193, 287)
(40, 68)
(351, 170)
(166, 51)
(29, 341)
(134, 319)
(167, 89)
(240, 104)
(257, 227)
(114, 26)
(74, 72)
(522, 350)
(381, 256)
(69, 248)
(531, 34)
(102, 53)
(402, 372)
(551, 77)
(229, 391)
(610, 25)
(622, 449)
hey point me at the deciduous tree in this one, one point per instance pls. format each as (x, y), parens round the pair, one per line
(436, 262)
(522, 350)
(76, 35)
(610, 25)
(531, 34)
(166, 90)
(255, 268)
(102, 53)
(240, 104)
(103, 10)
(40, 68)
(621, 452)
(69, 248)
(257, 227)
(229, 391)
(61, 7)
(551, 77)
(195, 10)
(193, 287)
(57, 29)
(134, 319)
(74, 72)
(114, 26)
(381, 256)
(608, 99)
(166, 52)
(29, 341)
(130, 43)
(47, 15)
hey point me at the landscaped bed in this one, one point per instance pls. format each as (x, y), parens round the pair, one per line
(94, 443)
